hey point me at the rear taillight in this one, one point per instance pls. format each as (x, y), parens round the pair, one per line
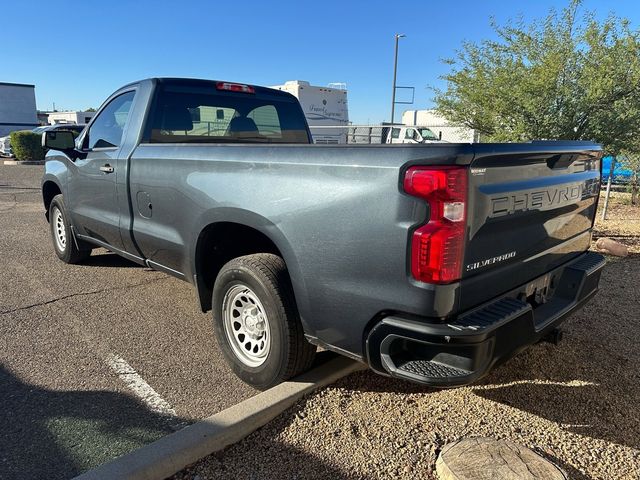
(437, 247)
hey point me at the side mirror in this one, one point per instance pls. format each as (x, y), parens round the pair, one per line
(59, 140)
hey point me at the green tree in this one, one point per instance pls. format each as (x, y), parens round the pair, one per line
(567, 76)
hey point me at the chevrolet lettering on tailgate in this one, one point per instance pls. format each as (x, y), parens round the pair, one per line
(547, 199)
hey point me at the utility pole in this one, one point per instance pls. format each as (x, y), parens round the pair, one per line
(609, 180)
(398, 36)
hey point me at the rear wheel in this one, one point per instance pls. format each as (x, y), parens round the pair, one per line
(63, 241)
(257, 323)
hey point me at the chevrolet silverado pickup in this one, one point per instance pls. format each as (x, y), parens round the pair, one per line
(428, 262)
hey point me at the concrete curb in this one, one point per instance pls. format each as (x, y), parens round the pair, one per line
(174, 452)
(25, 162)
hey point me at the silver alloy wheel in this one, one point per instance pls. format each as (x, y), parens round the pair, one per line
(60, 231)
(246, 325)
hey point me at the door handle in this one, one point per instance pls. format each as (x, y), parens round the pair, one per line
(106, 168)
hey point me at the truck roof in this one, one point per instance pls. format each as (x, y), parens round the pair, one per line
(205, 82)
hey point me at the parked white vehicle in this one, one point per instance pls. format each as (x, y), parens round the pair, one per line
(5, 147)
(411, 134)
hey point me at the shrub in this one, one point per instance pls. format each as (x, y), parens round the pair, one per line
(26, 145)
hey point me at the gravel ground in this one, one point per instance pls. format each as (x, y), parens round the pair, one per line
(576, 403)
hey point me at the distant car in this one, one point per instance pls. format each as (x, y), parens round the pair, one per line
(5, 142)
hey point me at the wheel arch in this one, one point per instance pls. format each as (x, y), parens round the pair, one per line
(50, 189)
(56, 173)
(220, 241)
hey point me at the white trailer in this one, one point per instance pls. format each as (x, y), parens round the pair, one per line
(322, 106)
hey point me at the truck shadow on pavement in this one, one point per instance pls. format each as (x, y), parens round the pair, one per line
(59, 434)
(590, 383)
(591, 403)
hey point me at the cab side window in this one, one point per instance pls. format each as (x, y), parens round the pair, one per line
(266, 120)
(108, 127)
(410, 134)
(395, 133)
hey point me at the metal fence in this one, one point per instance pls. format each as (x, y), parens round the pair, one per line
(351, 134)
(376, 134)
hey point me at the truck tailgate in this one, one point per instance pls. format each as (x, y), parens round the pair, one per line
(531, 208)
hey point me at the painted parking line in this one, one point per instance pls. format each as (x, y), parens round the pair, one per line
(174, 452)
(139, 387)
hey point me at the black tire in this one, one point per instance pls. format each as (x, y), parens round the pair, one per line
(264, 276)
(66, 250)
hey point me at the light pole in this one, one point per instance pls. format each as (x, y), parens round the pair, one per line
(395, 71)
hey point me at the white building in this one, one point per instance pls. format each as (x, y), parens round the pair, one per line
(17, 107)
(440, 126)
(322, 106)
(79, 118)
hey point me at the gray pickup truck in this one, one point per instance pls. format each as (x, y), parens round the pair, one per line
(431, 263)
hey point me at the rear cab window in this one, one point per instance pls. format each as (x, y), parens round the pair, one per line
(198, 112)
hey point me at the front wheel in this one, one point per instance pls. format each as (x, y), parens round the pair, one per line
(257, 323)
(63, 241)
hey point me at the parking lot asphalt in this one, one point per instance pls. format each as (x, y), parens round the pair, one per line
(95, 359)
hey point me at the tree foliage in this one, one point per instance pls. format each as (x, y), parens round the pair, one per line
(567, 76)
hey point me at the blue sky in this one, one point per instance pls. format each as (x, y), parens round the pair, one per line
(77, 53)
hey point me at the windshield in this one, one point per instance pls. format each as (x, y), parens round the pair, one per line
(39, 129)
(427, 134)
